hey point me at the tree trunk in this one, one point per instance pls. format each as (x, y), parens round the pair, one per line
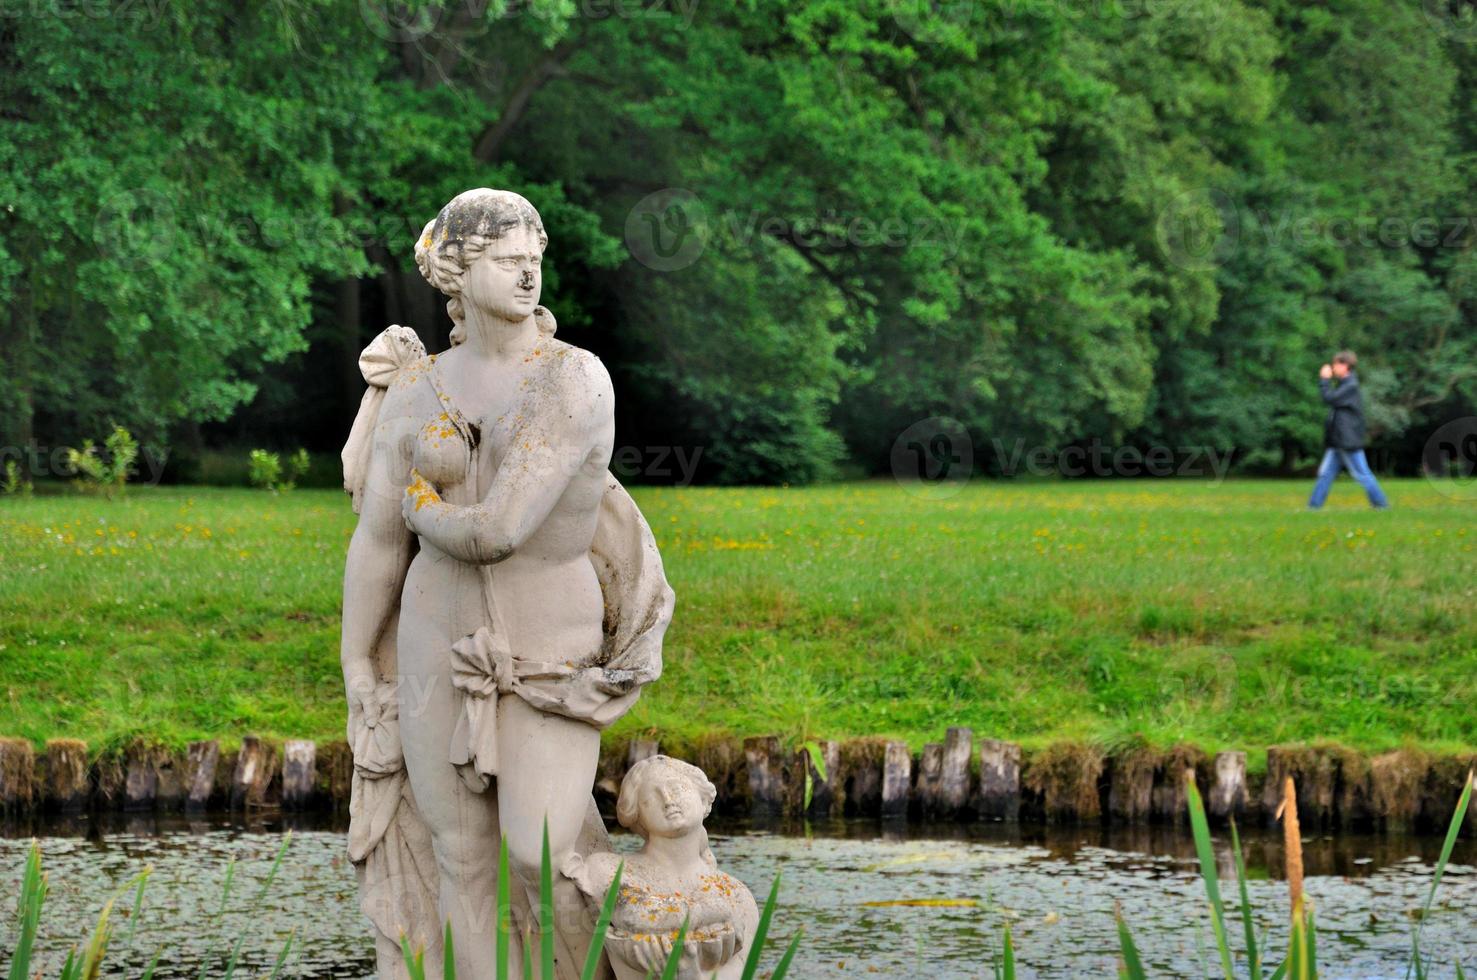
(351, 343)
(1289, 458)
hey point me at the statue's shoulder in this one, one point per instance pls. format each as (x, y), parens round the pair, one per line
(578, 373)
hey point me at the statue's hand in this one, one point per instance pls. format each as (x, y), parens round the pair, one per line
(365, 706)
(419, 502)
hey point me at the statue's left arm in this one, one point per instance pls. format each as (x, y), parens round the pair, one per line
(535, 474)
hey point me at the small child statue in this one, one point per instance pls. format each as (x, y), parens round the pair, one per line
(673, 877)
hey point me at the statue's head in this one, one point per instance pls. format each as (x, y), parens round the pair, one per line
(484, 250)
(664, 797)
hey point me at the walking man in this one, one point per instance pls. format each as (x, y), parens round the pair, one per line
(1343, 433)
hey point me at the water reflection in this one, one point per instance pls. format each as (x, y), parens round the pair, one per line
(1057, 886)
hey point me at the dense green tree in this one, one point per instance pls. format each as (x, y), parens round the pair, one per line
(792, 229)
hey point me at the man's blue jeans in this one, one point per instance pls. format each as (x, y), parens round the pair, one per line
(1352, 460)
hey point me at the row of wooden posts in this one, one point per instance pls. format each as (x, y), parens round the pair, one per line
(958, 778)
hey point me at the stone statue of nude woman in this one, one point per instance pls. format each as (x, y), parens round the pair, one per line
(503, 600)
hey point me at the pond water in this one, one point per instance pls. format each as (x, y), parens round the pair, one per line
(842, 883)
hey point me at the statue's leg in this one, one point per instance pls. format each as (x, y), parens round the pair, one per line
(463, 824)
(548, 767)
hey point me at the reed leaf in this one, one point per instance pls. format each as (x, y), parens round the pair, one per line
(761, 932)
(1206, 852)
(415, 962)
(674, 956)
(282, 956)
(1253, 957)
(602, 924)
(1311, 939)
(1130, 966)
(546, 909)
(783, 967)
(1452, 833)
(91, 965)
(504, 911)
(28, 913)
(448, 954)
(1007, 956)
(138, 902)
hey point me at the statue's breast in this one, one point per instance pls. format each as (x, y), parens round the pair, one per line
(441, 453)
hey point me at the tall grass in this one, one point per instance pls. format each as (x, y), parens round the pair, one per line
(1301, 961)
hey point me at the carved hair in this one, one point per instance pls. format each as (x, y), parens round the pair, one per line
(628, 804)
(449, 245)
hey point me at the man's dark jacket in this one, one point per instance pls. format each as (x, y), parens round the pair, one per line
(1345, 426)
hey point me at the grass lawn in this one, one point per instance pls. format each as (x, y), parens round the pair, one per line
(1224, 615)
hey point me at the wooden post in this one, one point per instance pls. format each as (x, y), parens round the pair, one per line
(141, 777)
(766, 773)
(255, 767)
(954, 788)
(17, 775)
(860, 781)
(897, 779)
(824, 800)
(930, 783)
(299, 774)
(200, 774)
(1228, 792)
(65, 788)
(1000, 780)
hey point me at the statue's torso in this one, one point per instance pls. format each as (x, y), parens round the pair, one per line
(547, 593)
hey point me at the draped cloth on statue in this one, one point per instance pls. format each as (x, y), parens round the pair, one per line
(389, 843)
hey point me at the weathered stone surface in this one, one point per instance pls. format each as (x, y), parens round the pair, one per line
(299, 774)
(1228, 787)
(256, 766)
(200, 767)
(17, 775)
(999, 795)
(670, 880)
(897, 779)
(66, 786)
(504, 438)
(765, 760)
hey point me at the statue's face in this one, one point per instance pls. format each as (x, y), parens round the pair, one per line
(506, 279)
(670, 805)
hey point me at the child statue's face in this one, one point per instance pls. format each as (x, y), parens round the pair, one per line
(506, 279)
(670, 805)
